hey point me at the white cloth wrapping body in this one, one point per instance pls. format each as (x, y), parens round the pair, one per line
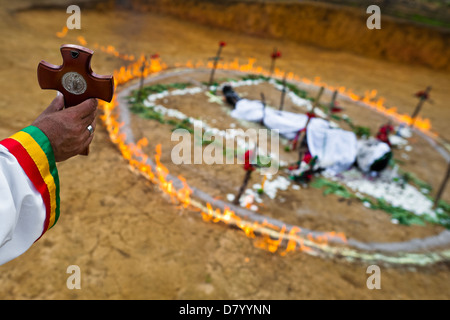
(250, 110)
(369, 151)
(336, 149)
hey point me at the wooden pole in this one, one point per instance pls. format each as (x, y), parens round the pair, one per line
(442, 187)
(423, 98)
(283, 92)
(141, 80)
(247, 176)
(316, 101)
(333, 101)
(302, 136)
(213, 70)
(272, 65)
(248, 172)
(263, 100)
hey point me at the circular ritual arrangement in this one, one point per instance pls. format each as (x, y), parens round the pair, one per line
(228, 142)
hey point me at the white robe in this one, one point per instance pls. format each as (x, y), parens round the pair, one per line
(22, 209)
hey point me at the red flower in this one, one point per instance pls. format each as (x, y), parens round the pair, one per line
(222, 43)
(387, 128)
(310, 115)
(154, 56)
(383, 137)
(247, 159)
(307, 158)
(335, 108)
(276, 54)
(383, 133)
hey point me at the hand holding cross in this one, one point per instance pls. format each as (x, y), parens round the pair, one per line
(77, 83)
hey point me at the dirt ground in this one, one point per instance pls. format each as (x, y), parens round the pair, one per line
(127, 238)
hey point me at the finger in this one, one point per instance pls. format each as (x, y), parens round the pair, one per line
(85, 108)
(94, 103)
(84, 147)
(89, 119)
(88, 132)
(56, 105)
(86, 140)
(94, 124)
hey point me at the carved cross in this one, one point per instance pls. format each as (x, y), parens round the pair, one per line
(75, 78)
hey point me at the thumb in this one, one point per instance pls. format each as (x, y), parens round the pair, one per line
(56, 105)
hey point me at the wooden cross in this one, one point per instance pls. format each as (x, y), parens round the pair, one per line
(75, 78)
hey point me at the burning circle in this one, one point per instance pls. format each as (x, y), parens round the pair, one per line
(74, 83)
(274, 234)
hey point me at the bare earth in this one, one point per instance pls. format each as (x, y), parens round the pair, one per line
(130, 242)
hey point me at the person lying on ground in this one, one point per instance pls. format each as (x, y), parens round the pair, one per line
(336, 149)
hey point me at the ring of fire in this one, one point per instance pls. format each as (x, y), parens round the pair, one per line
(270, 234)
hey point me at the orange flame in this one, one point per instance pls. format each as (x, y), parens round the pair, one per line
(82, 41)
(369, 98)
(62, 33)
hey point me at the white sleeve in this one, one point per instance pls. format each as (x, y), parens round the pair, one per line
(22, 209)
